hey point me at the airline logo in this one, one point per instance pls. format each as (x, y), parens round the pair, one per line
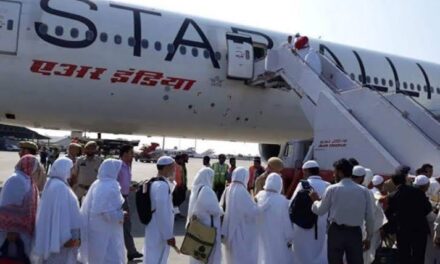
(131, 76)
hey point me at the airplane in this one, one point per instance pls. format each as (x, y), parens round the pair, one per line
(110, 66)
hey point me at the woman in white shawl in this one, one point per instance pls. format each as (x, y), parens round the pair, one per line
(58, 219)
(274, 226)
(102, 239)
(18, 209)
(203, 204)
(239, 227)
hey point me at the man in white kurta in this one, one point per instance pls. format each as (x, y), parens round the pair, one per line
(359, 174)
(239, 225)
(203, 204)
(307, 249)
(58, 219)
(274, 226)
(432, 256)
(159, 232)
(102, 235)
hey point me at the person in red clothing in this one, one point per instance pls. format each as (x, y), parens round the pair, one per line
(255, 171)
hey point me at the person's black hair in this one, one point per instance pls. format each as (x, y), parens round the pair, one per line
(125, 149)
(399, 179)
(344, 166)
(353, 161)
(32, 151)
(313, 171)
(206, 158)
(232, 158)
(222, 156)
(420, 171)
(426, 166)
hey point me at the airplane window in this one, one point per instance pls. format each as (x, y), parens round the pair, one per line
(376, 80)
(352, 76)
(118, 39)
(405, 85)
(10, 25)
(419, 88)
(131, 41)
(157, 46)
(411, 86)
(438, 90)
(144, 44)
(90, 35)
(195, 52)
(361, 79)
(384, 82)
(170, 48)
(59, 30)
(391, 83)
(182, 50)
(43, 29)
(74, 33)
(206, 54)
(103, 37)
(218, 55)
(368, 79)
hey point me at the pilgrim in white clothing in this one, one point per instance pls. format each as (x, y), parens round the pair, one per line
(203, 204)
(159, 233)
(306, 247)
(102, 239)
(274, 226)
(58, 219)
(239, 226)
(18, 209)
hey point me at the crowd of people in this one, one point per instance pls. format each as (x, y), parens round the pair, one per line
(81, 214)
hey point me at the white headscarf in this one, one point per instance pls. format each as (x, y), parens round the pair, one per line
(105, 193)
(274, 183)
(234, 195)
(63, 169)
(103, 196)
(58, 213)
(204, 178)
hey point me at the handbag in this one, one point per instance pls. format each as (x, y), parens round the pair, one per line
(386, 255)
(199, 239)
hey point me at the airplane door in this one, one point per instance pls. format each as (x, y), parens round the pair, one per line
(9, 26)
(240, 56)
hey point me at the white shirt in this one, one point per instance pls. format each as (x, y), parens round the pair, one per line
(347, 203)
(287, 45)
(433, 192)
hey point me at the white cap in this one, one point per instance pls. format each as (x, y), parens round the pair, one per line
(421, 180)
(165, 160)
(359, 171)
(377, 180)
(310, 164)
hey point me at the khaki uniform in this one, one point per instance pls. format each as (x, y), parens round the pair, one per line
(87, 171)
(260, 182)
(40, 178)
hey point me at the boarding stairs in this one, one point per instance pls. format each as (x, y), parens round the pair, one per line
(381, 130)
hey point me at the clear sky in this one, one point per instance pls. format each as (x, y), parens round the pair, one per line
(401, 27)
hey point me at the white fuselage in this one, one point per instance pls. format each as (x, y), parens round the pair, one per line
(107, 67)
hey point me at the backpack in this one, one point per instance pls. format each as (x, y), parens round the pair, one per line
(300, 211)
(143, 200)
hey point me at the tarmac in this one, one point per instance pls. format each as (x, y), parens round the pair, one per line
(141, 172)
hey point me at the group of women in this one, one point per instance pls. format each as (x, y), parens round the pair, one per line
(53, 228)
